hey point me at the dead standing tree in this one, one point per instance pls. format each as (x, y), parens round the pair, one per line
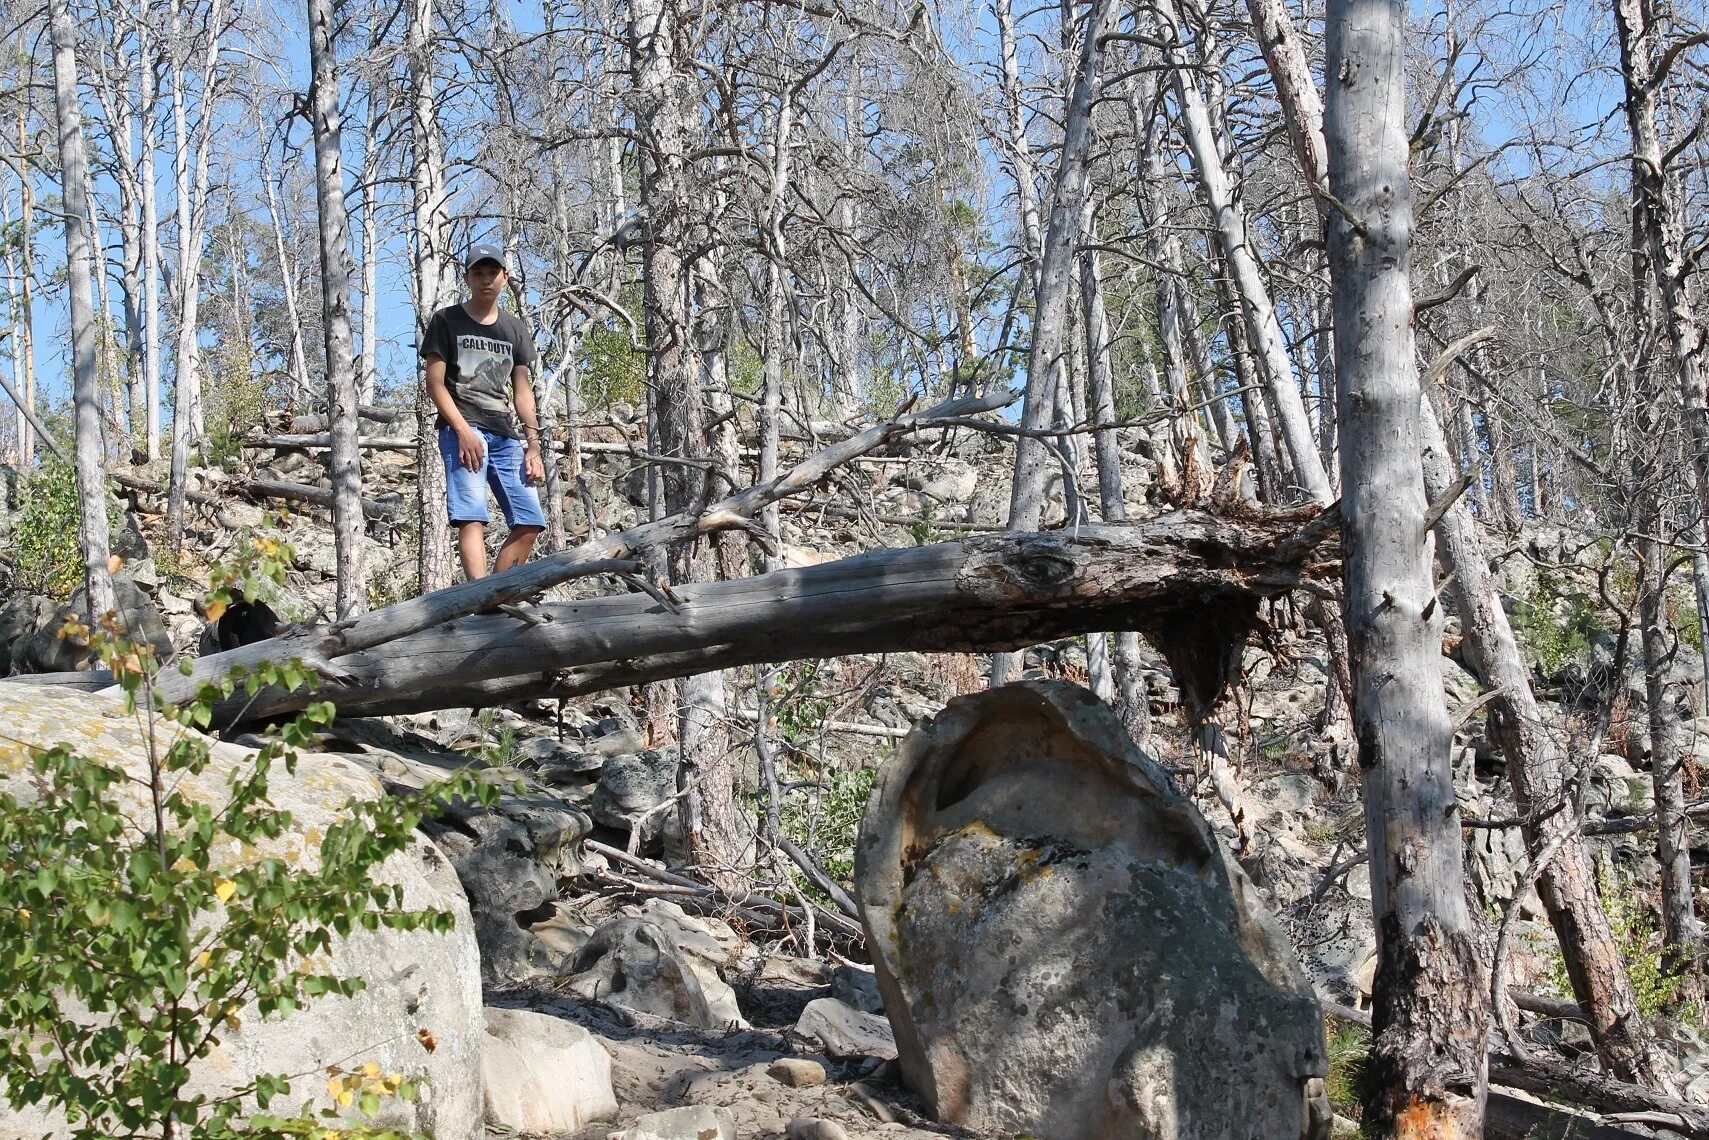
(341, 403)
(1426, 1075)
(79, 259)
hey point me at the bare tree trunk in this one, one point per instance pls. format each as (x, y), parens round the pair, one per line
(348, 527)
(91, 448)
(1549, 818)
(370, 375)
(288, 285)
(663, 106)
(1020, 150)
(27, 320)
(1052, 288)
(1048, 353)
(1263, 327)
(1131, 701)
(15, 331)
(1681, 928)
(433, 558)
(190, 177)
(150, 234)
(1188, 471)
(1426, 1073)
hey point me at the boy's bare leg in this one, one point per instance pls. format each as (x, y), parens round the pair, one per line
(472, 549)
(517, 547)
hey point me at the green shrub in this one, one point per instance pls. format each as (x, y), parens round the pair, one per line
(128, 945)
(1639, 937)
(612, 369)
(1349, 1047)
(45, 536)
(1555, 623)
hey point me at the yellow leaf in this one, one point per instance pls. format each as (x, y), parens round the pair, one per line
(334, 1087)
(370, 1069)
(345, 1098)
(224, 889)
(114, 563)
(203, 959)
(24, 914)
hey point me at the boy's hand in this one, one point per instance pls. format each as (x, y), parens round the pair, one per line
(471, 448)
(533, 466)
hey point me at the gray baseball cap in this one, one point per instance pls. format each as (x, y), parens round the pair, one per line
(480, 253)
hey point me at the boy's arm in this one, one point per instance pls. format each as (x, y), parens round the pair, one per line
(471, 448)
(533, 463)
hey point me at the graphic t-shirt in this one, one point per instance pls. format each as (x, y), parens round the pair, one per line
(478, 363)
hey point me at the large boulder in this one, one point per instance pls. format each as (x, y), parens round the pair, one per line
(510, 859)
(1062, 945)
(544, 1074)
(422, 988)
(20, 618)
(637, 964)
(136, 617)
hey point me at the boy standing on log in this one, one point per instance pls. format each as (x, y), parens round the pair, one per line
(477, 360)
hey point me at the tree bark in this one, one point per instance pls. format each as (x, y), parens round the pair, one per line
(1229, 217)
(1425, 1076)
(997, 591)
(1131, 701)
(147, 96)
(190, 178)
(1049, 350)
(79, 257)
(1682, 931)
(433, 558)
(349, 532)
(665, 100)
(25, 354)
(1567, 885)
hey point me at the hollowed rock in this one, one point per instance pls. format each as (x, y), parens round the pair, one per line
(1062, 945)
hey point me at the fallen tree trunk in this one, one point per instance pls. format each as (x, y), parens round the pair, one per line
(317, 421)
(323, 440)
(318, 496)
(1160, 576)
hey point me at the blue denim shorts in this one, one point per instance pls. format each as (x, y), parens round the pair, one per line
(500, 469)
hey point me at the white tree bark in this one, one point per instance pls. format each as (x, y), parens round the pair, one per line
(1024, 169)
(148, 98)
(190, 178)
(1426, 1072)
(26, 356)
(1054, 286)
(1229, 218)
(370, 373)
(341, 403)
(79, 259)
(288, 283)
(432, 289)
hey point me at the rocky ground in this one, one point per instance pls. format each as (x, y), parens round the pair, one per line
(734, 1009)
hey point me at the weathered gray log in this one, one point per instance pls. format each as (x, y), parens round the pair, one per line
(318, 422)
(321, 441)
(319, 496)
(1161, 577)
(202, 498)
